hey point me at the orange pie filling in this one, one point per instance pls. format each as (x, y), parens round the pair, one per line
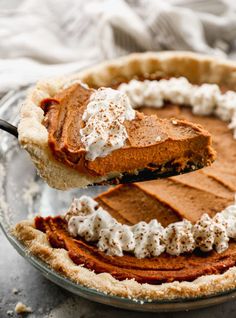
(152, 143)
(165, 268)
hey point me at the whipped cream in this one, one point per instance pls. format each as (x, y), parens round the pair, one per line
(149, 239)
(143, 239)
(104, 117)
(179, 238)
(228, 216)
(86, 219)
(116, 239)
(176, 90)
(93, 223)
(226, 105)
(141, 93)
(209, 233)
(205, 99)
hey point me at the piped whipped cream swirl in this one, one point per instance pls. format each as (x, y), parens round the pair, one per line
(104, 117)
(179, 238)
(209, 233)
(91, 222)
(205, 99)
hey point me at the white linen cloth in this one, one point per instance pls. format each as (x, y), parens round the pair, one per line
(51, 37)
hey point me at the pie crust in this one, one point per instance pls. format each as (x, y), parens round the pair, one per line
(33, 135)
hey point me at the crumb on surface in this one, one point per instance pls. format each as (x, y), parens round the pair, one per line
(22, 308)
(15, 291)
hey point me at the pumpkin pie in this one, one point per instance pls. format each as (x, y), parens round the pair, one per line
(191, 252)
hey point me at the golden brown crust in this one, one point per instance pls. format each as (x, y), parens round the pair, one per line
(33, 136)
(36, 243)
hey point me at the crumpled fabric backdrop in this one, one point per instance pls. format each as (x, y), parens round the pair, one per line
(51, 37)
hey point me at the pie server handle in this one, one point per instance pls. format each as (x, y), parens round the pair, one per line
(4, 125)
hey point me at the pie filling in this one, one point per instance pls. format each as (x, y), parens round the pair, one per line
(156, 270)
(140, 142)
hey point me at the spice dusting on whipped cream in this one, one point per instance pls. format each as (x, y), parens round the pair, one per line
(86, 219)
(104, 117)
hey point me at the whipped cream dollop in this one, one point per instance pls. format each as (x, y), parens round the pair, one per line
(179, 238)
(104, 117)
(143, 239)
(149, 239)
(205, 99)
(87, 220)
(209, 233)
(228, 217)
(91, 222)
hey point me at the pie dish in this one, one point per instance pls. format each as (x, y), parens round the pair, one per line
(210, 191)
(52, 119)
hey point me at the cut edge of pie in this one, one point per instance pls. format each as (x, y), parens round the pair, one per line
(37, 244)
(33, 135)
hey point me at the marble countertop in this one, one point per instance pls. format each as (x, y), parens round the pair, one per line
(19, 281)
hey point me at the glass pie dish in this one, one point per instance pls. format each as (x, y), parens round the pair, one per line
(23, 193)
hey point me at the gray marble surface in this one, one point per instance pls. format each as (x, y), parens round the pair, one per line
(51, 301)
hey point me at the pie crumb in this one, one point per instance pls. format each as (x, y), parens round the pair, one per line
(15, 291)
(22, 308)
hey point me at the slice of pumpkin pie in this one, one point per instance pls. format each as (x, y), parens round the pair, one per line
(93, 136)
